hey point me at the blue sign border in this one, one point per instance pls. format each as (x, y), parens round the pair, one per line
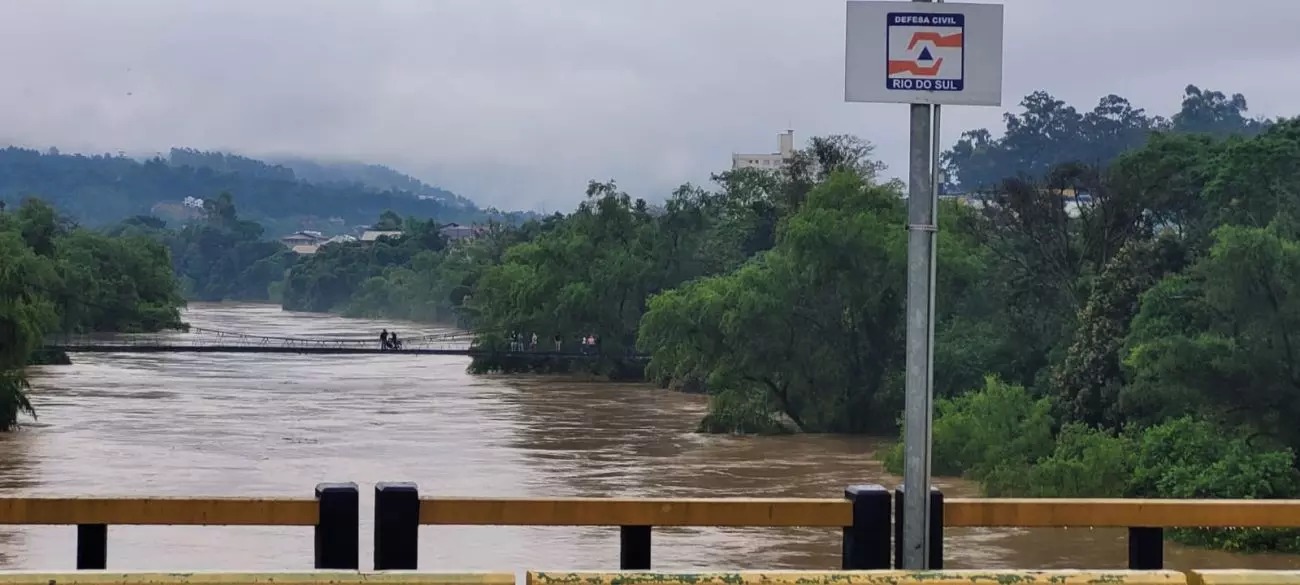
(961, 25)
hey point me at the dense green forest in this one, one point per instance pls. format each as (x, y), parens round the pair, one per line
(102, 190)
(57, 278)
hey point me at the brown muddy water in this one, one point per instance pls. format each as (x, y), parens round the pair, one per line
(276, 424)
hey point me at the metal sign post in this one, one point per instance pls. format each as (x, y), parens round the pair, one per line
(921, 231)
(931, 54)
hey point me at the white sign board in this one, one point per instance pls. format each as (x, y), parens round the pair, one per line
(923, 53)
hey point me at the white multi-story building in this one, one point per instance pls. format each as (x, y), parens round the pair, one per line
(771, 161)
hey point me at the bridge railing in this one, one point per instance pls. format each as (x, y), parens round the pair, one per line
(743, 577)
(869, 517)
(196, 336)
(460, 342)
(332, 513)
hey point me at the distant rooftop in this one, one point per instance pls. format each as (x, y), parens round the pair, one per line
(372, 235)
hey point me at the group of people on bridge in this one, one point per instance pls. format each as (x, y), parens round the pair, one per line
(521, 342)
(388, 340)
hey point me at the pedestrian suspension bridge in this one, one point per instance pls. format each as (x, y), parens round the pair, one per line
(201, 340)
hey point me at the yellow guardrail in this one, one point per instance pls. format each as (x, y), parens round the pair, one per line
(1067, 512)
(637, 511)
(865, 515)
(262, 578)
(161, 511)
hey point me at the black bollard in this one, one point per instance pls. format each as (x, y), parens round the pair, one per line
(397, 526)
(338, 527)
(634, 548)
(1146, 548)
(866, 542)
(92, 547)
(936, 529)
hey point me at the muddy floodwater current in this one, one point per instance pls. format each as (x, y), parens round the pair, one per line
(201, 424)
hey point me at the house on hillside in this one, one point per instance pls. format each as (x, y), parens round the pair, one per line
(1073, 202)
(305, 249)
(303, 238)
(455, 232)
(372, 235)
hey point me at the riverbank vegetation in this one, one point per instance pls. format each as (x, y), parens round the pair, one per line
(58, 278)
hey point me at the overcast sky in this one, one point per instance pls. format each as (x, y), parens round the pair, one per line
(517, 103)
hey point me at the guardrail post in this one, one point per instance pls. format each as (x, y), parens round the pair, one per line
(338, 527)
(92, 547)
(936, 529)
(1146, 548)
(397, 526)
(634, 548)
(866, 542)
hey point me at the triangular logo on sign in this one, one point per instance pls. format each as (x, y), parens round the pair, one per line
(925, 55)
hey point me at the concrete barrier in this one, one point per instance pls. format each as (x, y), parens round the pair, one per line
(1242, 577)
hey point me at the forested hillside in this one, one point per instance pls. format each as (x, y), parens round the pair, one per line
(103, 189)
(372, 176)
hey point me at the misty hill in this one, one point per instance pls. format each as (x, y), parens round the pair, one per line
(370, 175)
(104, 189)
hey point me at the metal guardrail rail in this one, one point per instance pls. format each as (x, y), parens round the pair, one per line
(868, 517)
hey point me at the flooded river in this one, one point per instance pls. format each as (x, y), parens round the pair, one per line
(276, 424)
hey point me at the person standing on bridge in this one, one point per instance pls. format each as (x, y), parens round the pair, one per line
(383, 339)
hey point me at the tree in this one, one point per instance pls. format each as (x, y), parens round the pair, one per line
(1090, 379)
(1049, 133)
(39, 225)
(810, 331)
(222, 256)
(389, 220)
(220, 211)
(589, 276)
(1042, 137)
(1253, 180)
(1212, 112)
(1223, 335)
(56, 277)
(1045, 245)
